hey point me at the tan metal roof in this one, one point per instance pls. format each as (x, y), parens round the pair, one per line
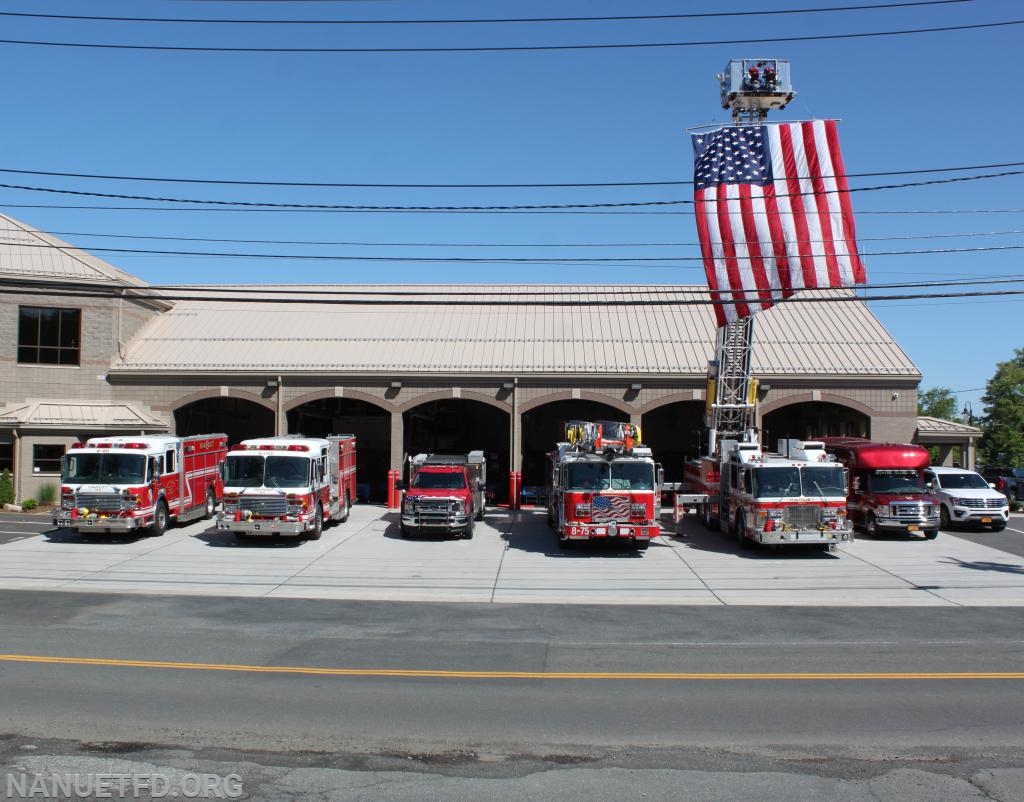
(927, 425)
(82, 414)
(26, 252)
(504, 329)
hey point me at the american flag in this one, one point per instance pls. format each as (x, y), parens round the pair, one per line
(773, 214)
(610, 508)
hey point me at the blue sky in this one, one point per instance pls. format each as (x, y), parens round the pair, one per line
(906, 103)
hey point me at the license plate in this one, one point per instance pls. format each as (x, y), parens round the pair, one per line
(256, 527)
(913, 528)
(89, 522)
(986, 520)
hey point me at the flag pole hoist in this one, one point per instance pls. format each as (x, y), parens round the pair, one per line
(773, 217)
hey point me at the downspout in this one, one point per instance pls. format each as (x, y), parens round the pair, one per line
(17, 464)
(282, 422)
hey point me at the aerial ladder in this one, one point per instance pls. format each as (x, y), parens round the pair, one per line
(750, 88)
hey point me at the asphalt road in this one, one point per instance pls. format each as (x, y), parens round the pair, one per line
(364, 700)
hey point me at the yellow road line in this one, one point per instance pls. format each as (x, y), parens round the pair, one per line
(442, 674)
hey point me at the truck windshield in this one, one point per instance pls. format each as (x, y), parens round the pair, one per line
(428, 480)
(243, 471)
(588, 476)
(781, 481)
(632, 476)
(287, 472)
(896, 482)
(824, 480)
(113, 468)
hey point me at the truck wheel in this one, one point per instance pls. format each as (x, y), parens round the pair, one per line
(564, 543)
(943, 517)
(211, 505)
(345, 510)
(1018, 494)
(467, 533)
(871, 526)
(931, 534)
(741, 531)
(318, 524)
(480, 513)
(998, 526)
(403, 530)
(641, 545)
(160, 519)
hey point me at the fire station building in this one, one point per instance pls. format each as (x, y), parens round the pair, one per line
(89, 349)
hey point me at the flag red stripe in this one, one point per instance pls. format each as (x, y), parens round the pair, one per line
(729, 248)
(796, 202)
(846, 208)
(814, 170)
(702, 210)
(757, 264)
(778, 237)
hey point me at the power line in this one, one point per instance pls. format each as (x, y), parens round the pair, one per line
(679, 213)
(618, 18)
(505, 207)
(562, 260)
(506, 48)
(565, 185)
(379, 244)
(310, 299)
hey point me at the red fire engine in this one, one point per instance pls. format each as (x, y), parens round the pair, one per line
(794, 497)
(120, 484)
(886, 493)
(291, 485)
(603, 484)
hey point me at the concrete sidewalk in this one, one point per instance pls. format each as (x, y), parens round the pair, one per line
(514, 558)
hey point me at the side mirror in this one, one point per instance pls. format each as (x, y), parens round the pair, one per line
(399, 485)
(992, 485)
(480, 484)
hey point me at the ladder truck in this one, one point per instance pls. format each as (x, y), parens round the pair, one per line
(794, 496)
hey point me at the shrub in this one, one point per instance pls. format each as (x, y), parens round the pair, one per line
(48, 493)
(6, 488)
(29, 504)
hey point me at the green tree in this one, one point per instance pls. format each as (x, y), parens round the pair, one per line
(1003, 439)
(6, 488)
(938, 402)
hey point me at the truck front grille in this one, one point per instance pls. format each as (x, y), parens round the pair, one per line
(269, 506)
(99, 502)
(912, 510)
(803, 517)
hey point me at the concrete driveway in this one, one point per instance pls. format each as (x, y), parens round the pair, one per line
(514, 558)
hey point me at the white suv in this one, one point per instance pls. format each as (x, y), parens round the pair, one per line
(966, 498)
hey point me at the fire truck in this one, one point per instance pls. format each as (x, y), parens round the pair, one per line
(121, 484)
(290, 485)
(794, 497)
(886, 492)
(603, 484)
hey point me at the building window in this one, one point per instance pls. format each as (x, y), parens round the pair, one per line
(49, 336)
(7, 457)
(46, 458)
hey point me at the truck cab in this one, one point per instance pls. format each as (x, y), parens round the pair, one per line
(444, 495)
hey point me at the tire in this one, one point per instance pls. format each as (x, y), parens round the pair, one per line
(943, 517)
(241, 536)
(641, 545)
(467, 533)
(705, 516)
(211, 505)
(318, 524)
(565, 544)
(404, 531)
(161, 519)
(931, 534)
(1017, 494)
(998, 526)
(345, 510)
(480, 514)
(741, 531)
(871, 526)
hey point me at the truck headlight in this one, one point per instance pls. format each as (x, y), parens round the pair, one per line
(459, 507)
(408, 506)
